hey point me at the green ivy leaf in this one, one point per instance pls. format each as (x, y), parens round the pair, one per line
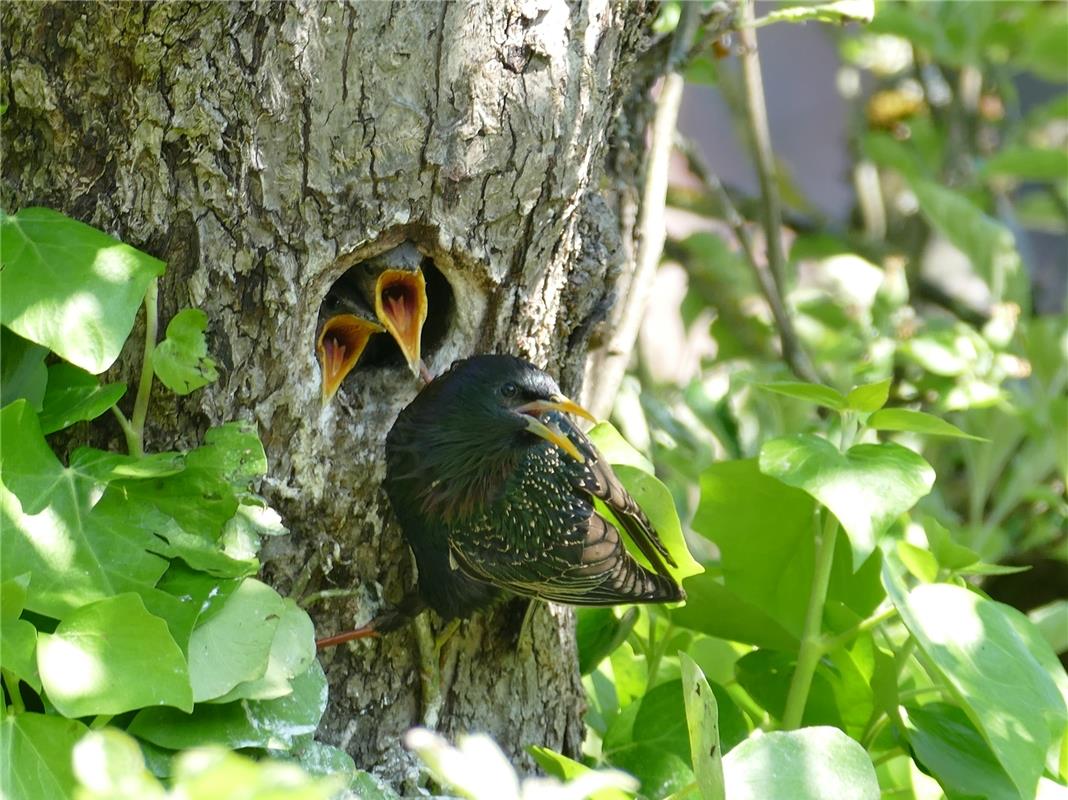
(233, 646)
(904, 419)
(112, 656)
(18, 638)
(272, 724)
(946, 744)
(36, 758)
(22, 370)
(75, 557)
(702, 723)
(292, 651)
(809, 764)
(866, 488)
(869, 397)
(70, 287)
(181, 360)
(650, 741)
(974, 644)
(811, 392)
(74, 395)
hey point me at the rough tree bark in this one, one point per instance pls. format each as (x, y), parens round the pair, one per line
(261, 150)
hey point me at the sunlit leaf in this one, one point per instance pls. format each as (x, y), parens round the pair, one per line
(109, 764)
(812, 392)
(112, 656)
(1028, 163)
(818, 763)
(292, 650)
(836, 11)
(70, 287)
(989, 245)
(904, 419)
(35, 756)
(651, 496)
(233, 646)
(181, 360)
(869, 397)
(567, 769)
(702, 722)
(866, 488)
(51, 532)
(975, 644)
(272, 724)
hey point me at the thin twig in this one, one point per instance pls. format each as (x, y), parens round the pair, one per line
(757, 123)
(792, 349)
(650, 226)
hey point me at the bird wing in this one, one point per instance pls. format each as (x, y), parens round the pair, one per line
(546, 539)
(601, 482)
(584, 565)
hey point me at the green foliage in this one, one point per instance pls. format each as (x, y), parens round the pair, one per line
(70, 287)
(126, 580)
(872, 663)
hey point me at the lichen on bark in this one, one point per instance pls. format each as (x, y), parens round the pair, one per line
(260, 149)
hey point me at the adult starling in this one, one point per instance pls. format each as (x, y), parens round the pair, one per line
(387, 292)
(495, 490)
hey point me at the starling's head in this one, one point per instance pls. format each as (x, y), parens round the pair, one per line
(478, 415)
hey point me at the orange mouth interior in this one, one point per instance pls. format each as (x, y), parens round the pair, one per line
(400, 301)
(340, 345)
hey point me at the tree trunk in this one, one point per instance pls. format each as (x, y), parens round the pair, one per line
(263, 149)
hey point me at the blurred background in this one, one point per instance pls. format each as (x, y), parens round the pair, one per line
(922, 162)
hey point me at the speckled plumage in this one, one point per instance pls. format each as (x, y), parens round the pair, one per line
(487, 506)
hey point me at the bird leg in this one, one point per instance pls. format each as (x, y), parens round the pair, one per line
(387, 621)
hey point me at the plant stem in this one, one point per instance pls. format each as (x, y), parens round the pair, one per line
(846, 636)
(127, 429)
(144, 388)
(763, 157)
(650, 225)
(100, 721)
(11, 681)
(811, 650)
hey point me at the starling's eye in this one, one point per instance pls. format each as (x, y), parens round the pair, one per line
(509, 389)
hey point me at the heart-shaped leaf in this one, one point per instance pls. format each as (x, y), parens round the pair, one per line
(112, 656)
(70, 287)
(866, 488)
(181, 360)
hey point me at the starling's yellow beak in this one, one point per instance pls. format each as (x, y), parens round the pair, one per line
(340, 345)
(401, 306)
(539, 428)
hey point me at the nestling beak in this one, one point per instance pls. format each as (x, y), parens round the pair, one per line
(340, 345)
(401, 306)
(555, 403)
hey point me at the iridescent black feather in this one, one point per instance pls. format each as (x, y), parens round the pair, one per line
(486, 505)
